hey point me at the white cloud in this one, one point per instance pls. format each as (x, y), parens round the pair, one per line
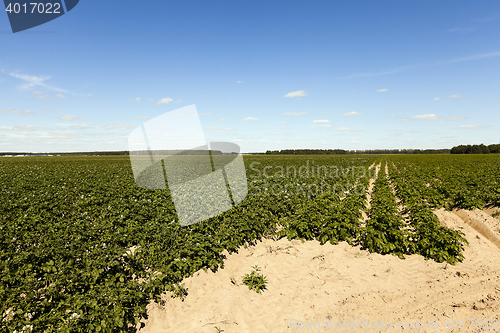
(142, 117)
(436, 99)
(239, 81)
(455, 118)
(214, 128)
(178, 101)
(348, 114)
(417, 66)
(249, 119)
(69, 118)
(298, 93)
(294, 113)
(81, 126)
(32, 81)
(204, 114)
(88, 95)
(60, 96)
(382, 90)
(470, 127)
(120, 126)
(23, 128)
(138, 99)
(347, 129)
(431, 116)
(19, 113)
(40, 95)
(455, 96)
(165, 100)
(321, 121)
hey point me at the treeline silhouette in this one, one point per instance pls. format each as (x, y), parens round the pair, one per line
(355, 152)
(120, 153)
(461, 149)
(476, 149)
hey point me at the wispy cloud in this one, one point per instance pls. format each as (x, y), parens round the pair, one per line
(294, 113)
(298, 93)
(165, 100)
(81, 126)
(419, 66)
(454, 118)
(436, 99)
(69, 118)
(32, 81)
(215, 128)
(472, 57)
(239, 81)
(454, 96)
(470, 127)
(60, 96)
(19, 113)
(430, 116)
(119, 126)
(138, 99)
(40, 95)
(349, 114)
(321, 121)
(205, 114)
(382, 90)
(23, 128)
(348, 129)
(249, 119)
(387, 72)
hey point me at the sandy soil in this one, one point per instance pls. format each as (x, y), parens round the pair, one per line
(332, 285)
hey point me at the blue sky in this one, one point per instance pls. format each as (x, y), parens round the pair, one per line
(262, 74)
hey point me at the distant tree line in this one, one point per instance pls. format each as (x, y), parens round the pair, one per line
(462, 149)
(354, 152)
(121, 153)
(476, 149)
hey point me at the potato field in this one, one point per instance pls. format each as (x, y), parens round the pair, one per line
(84, 249)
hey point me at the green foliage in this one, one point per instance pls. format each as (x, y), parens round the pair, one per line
(67, 224)
(255, 280)
(384, 232)
(429, 238)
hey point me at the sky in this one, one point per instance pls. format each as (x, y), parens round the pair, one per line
(266, 75)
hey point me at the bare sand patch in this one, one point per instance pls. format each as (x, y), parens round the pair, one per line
(309, 282)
